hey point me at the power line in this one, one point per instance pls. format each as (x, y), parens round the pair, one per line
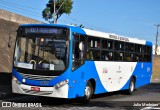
(11, 3)
(98, 27)
(21, 11)
(20, 8)
(87, 24)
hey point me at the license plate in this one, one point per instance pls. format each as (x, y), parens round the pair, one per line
(35, 89)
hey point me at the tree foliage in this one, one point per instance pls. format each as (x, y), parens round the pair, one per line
(62, 7)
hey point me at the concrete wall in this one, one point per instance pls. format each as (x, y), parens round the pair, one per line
(9, 22)
(16, 18)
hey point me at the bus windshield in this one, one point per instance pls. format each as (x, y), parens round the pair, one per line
(41, 53)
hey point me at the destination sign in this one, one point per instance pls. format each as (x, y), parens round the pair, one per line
(118, 38)
(45, 30)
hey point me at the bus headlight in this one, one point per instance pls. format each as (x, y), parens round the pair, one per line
(16, 80)
(62, 83)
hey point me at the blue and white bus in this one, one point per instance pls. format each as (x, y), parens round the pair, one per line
(65, 61)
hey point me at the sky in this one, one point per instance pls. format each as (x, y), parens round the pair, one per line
(130, 18)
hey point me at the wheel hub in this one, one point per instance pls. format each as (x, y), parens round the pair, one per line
(87, 92)
(132, 86)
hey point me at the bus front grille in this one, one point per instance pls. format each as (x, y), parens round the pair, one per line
(37, 77)
(37, 92)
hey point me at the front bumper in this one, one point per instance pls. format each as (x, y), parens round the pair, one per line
(44, 91)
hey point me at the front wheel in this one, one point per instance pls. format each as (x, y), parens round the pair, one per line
(131, 87)
(88, 92)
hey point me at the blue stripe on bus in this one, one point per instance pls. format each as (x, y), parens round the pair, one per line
(148, 43)
(77, 30)
(81, 76)
(142, 76)
(17, 75)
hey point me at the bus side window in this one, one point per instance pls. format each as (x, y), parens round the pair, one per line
(118, 56)
(110, 44)
(138, 57)
(110, 56)
(93, 43)
(93, 55)
(106, 56)
(78, 51)
(129, 57)
(93, 48)
(119, 45)
(96, 55)
(89, 54)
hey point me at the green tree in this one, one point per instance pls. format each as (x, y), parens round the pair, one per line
(62, 7)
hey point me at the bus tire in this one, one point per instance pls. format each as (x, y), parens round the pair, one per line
(88, 92)
(131, 87)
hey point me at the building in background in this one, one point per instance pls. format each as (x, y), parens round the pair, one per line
(158, 50)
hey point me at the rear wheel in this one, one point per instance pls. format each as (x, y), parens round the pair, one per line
(88, 92)
(131, 87)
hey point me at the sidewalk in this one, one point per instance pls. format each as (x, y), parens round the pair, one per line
(5, 85)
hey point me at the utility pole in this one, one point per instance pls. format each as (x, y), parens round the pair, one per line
(156, 46)
(54, 11)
